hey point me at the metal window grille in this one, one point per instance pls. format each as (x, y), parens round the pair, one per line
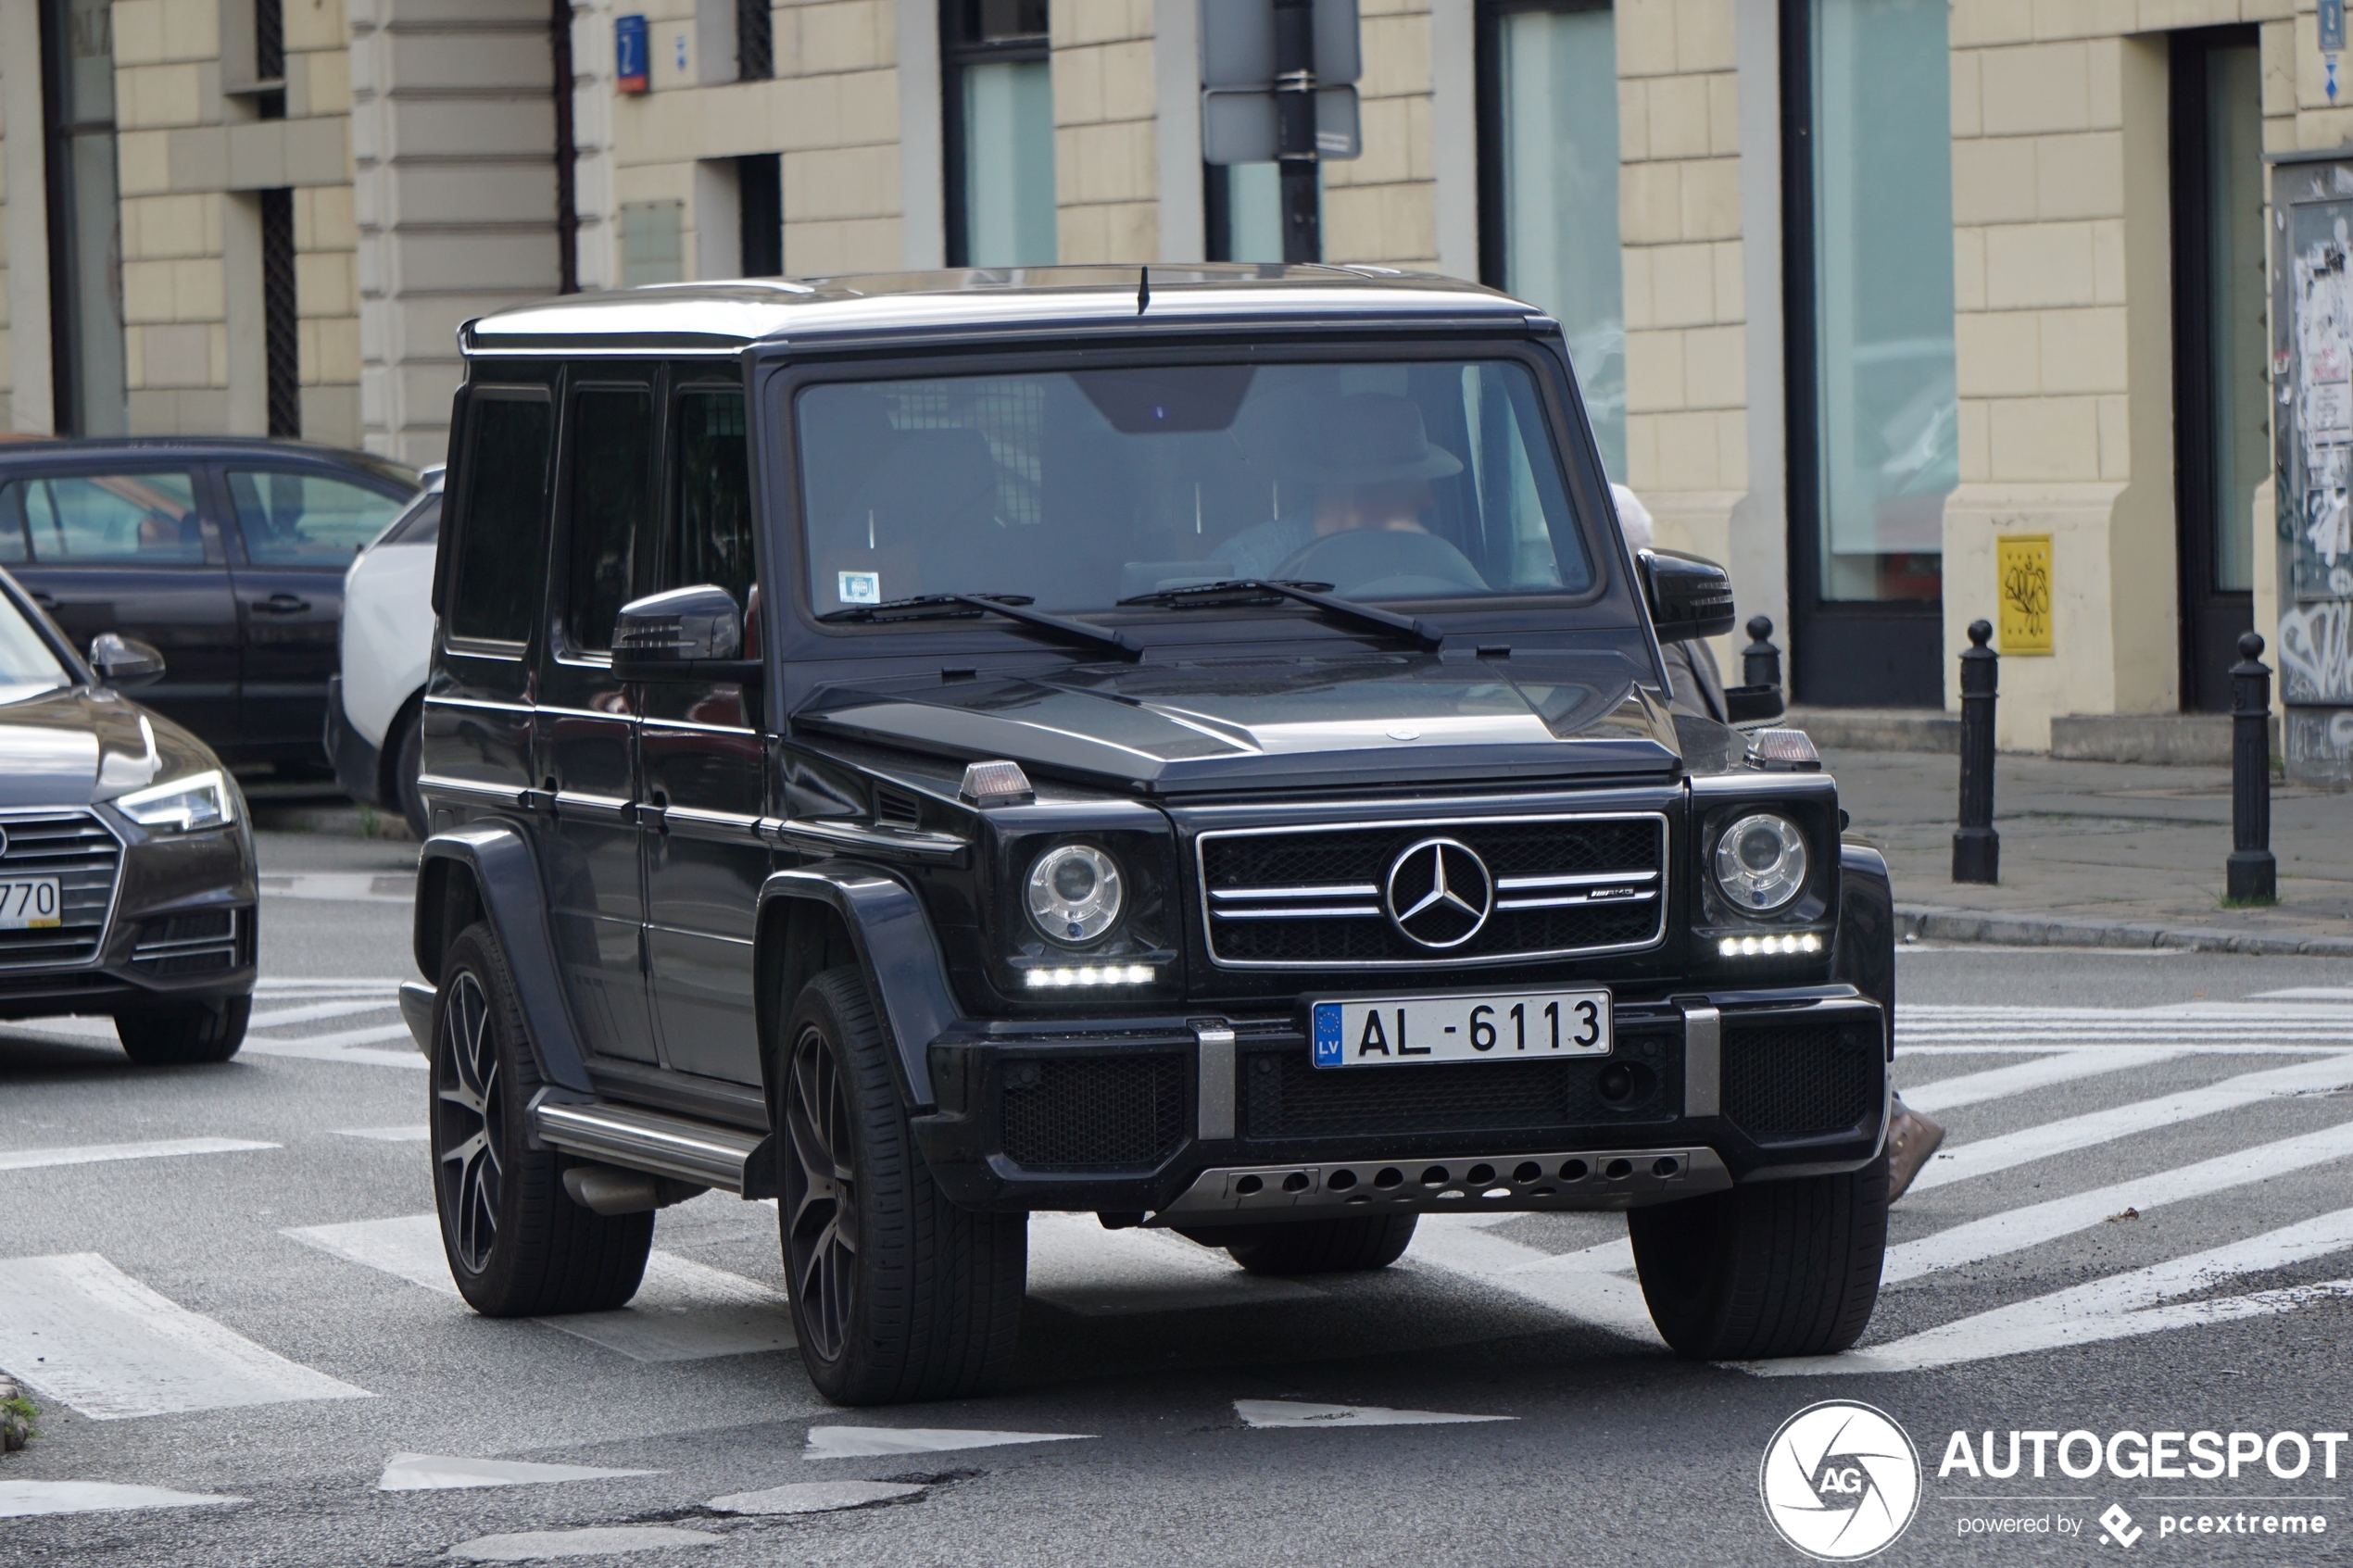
(755, 40)
(280, 332)
(268, 39)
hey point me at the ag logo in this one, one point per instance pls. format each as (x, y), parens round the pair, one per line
(1840, 1481)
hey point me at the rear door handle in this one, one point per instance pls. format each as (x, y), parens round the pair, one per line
(280, 603)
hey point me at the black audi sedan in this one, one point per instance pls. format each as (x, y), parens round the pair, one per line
(225, 553)
(127, 878)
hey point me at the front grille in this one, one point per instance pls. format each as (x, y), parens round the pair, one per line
(1285, 1095)
(1094, 1114)
(1809, 1079)
(1321, 896)
(76, 848)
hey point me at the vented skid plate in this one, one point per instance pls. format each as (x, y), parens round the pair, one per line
(1610, 1178)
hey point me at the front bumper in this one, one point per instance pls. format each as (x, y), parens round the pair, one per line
(1204, 1122)
(359, 766)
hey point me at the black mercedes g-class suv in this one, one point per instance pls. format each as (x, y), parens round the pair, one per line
(1189, 745)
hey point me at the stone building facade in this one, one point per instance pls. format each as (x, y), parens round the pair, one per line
(1893, 306)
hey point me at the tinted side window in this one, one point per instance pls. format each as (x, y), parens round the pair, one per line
(422, 525)
(612, 466)
(502, 549)
(111, 519)
(714, 495)
(306, 518)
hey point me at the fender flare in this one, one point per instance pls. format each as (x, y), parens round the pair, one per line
(506, 874)
(895, 947)
(1863, 953)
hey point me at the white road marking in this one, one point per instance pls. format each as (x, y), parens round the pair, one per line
(604, 1541)
(872, 1442)
(683, 1311)
(2025, 1077)
(97, 1153)
(375, 1035)
(1079, 1266)
(20, 1499)
(2018, 1229)
(812, 1497)
(419, 1134)
(2308, 994)
(2121, 1306)
(389, 984)
(439, 1473)
(79, 1028)
(2051, 1138)
(303, 1051)
(1298, 1412)
(343, 887)
(1577, 1285)
(311, 1012)
(83, 1331)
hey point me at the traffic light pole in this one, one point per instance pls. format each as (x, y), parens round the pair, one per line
(1295, 128)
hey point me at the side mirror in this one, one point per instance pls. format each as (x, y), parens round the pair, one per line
(685, 634)
(1689, 597)
(123, 662)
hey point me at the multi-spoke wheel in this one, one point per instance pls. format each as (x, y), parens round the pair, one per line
(516, 1246)
(897, 1293)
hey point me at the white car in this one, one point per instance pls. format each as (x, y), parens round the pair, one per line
(375, 705)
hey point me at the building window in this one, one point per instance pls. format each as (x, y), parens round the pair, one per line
(269, 57)
(85, 218)
(755, 40)
(653, 247)
(1548, 160)
(999, 119)
(1243, 206)
(281, 325)
(759, 188)
(1873, 404)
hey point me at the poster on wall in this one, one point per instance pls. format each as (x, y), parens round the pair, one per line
(2313, 378)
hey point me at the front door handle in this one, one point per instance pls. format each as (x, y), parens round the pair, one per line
(280, 603)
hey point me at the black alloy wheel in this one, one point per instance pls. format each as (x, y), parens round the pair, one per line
(470, 1111)
(821, 1195)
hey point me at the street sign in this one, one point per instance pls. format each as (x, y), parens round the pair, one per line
(1238, 125)
(629, 54)
(1237, 44)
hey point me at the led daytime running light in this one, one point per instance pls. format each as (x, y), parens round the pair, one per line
(1756, 947)
(1069, 975)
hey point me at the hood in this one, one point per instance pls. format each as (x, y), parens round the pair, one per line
(70, 746)
(1217, 724)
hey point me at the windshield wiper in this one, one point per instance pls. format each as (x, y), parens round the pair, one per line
(1012, 606)
(1414, 627)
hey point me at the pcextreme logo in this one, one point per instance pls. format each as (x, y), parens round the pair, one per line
(1840, 1481)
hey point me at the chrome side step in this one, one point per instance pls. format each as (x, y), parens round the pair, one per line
(1609, 1178)
(651, 1141)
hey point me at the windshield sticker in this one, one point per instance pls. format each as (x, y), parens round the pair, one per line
(859, 587)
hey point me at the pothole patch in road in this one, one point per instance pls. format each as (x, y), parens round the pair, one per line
(606, 1540)
(815, 1496)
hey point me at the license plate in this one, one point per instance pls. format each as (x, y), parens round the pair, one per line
(1402, 1031)
(28, 903)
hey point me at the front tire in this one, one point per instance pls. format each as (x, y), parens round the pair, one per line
(518, 1247)
(897, 1293)
(1356, 1245)
(184, 1036)
(1771, 1269)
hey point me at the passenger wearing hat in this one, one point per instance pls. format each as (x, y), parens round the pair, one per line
(1369, 462)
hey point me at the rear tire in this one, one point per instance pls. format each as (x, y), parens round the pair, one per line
(1356, 1245)
(186, 1035)
(1771, 1269)
(897, 1293)
(408, 764)
(518, 1247)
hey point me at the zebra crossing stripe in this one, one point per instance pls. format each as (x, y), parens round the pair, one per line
(1301, 1413)
(881, 1442)
(99, 1153)
(82, 1332)
(2015, 1230)
(1579, 1285)
(312, 1012)
(19, 1499)
(435, 1472)
(2121, 1306)
(1988, 1155)
(2000, 1083)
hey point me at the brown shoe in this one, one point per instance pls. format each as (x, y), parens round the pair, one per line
(1911, 1139)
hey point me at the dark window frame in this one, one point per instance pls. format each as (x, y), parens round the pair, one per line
(962, 44)
(755, 40)
(58, 134)
(581, 381)
(457, 522)
(1487, 44)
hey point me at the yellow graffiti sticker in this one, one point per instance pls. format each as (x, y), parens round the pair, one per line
(2022, 573)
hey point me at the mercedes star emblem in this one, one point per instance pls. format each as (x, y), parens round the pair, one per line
(1439, 893)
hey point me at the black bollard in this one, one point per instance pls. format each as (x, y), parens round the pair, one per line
(1977, 848)
(1760, 661)
(2253, 875)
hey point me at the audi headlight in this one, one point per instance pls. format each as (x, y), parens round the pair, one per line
(184, 805)
(1760, 862)
(1075, 893)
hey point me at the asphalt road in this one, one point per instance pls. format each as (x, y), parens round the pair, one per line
(2141, 1224)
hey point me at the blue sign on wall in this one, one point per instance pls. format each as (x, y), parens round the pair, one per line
(629, 54)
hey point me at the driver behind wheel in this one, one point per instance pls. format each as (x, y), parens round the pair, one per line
(1369, 462)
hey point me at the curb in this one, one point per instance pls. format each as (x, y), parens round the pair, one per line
(334, 821)
(1941, 925)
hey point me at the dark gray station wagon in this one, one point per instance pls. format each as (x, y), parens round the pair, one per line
(1191, 749)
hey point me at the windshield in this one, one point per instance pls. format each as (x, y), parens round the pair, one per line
(1415, 479)
(27, 667)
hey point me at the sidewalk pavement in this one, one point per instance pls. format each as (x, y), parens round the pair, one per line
(2101, 854)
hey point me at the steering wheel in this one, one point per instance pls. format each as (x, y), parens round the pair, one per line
(1383, 563)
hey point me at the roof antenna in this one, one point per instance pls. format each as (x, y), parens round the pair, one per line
(1143, 289)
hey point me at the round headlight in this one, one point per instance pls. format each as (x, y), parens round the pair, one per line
(1760, 862)
(1074, 892)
